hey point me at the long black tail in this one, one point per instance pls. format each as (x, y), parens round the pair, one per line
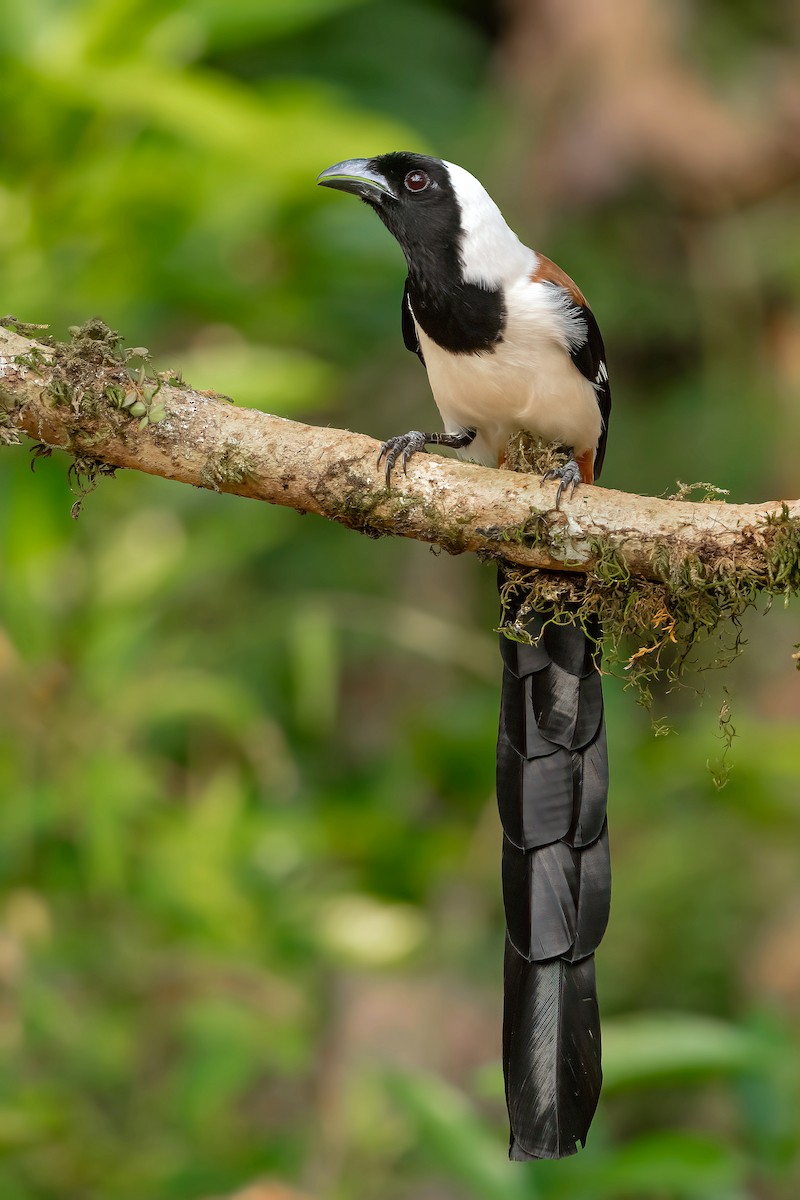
(552, 787)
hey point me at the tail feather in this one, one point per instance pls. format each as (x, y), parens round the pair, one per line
(552, 787)
(551, 1054)
(590, 784)
(594, 896)
(520, 781)
(567, 708)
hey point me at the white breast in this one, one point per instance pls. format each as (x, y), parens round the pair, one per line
(528, 382)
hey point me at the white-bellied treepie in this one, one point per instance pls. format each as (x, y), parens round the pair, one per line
(510, 344)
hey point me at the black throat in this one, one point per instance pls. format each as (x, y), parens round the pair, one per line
(460, 317)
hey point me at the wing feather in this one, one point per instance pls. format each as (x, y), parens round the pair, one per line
(409, 328)
(589, 355)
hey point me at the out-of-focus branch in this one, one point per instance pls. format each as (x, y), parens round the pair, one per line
(73, 398)
(618, 94)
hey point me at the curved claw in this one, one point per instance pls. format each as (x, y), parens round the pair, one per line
(402, 446)
(569, 476)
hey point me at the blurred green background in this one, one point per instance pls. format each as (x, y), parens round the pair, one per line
(250, 916)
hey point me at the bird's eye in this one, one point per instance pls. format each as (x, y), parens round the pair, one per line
(416, 181)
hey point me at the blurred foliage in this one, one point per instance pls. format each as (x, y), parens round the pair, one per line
(250, 921)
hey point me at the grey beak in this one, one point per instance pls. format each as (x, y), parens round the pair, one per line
(355, 175)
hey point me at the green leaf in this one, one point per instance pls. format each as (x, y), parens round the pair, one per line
(461, 1145)
(283, 135)
(226, 24)
(260, 376)
(650, 1049)
(672, 1166)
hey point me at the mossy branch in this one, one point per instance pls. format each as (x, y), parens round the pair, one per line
(83, 397)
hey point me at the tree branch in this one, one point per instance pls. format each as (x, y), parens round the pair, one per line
(71, 397)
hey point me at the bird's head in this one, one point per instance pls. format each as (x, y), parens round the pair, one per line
(443, 218)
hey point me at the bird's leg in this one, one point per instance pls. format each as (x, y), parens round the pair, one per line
(403, 445)
(579, 469)
(569, 477)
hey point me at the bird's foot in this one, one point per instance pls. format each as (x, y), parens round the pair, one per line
(401, 446)
(569, 476)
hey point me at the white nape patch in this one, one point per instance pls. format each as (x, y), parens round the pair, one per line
(491, 253)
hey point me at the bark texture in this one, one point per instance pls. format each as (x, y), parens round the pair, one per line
(206, 441)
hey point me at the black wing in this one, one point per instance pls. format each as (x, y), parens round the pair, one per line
(409, 328)
(590, 359)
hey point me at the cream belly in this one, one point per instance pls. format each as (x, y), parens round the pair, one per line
(529, 382)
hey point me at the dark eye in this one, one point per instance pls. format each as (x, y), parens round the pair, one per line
(416, 181)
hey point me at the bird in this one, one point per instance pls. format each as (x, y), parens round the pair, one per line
(510, 345)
